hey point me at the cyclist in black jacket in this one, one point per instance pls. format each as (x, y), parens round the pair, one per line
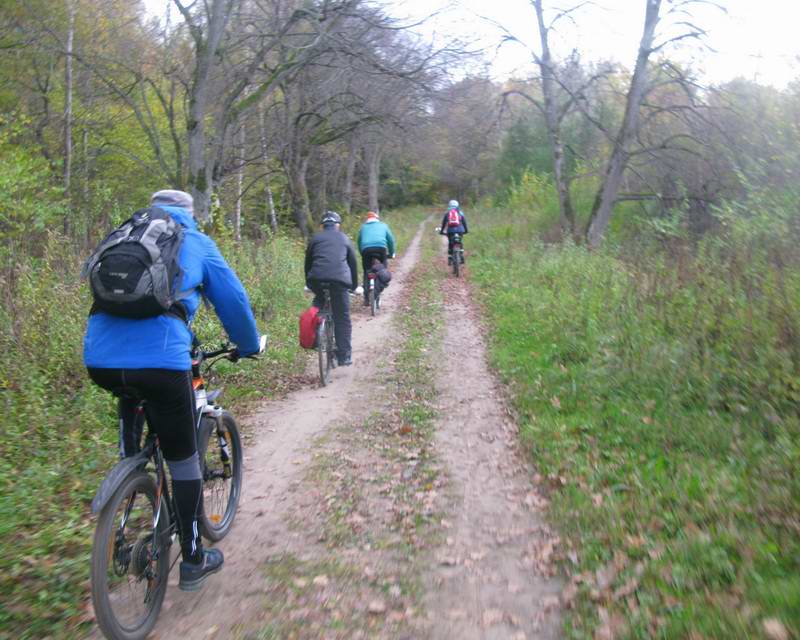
(331, 258)
(453, 222)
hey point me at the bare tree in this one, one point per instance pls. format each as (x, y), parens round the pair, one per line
(626, 136)
(70, 6)
(558, 101)
(553, 117)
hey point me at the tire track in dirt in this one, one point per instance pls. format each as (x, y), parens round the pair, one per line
(276, 453)
(494, 578)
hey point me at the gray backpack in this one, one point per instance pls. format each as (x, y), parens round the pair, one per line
(134, 272)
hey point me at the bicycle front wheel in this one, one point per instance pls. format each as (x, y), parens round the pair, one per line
(130, 560)
(221, 461)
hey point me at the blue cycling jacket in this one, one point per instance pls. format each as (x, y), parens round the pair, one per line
(374, 233)
(164, 342)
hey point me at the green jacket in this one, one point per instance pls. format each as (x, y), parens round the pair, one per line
(375, 233)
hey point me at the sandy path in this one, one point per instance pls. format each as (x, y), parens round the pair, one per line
(493, 578)
(275, 456)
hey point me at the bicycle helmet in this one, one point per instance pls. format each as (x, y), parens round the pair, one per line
(331, 217)
(453, 204)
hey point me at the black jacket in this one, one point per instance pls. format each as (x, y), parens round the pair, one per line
(330, 257)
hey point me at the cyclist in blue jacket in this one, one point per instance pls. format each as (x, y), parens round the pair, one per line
(375, 242)
(150, 359)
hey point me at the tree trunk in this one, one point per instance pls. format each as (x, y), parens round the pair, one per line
(200, 166)
(322, 193)
(273, 218)
(352, 157)
(553, 126)
(373, 153)
(85, 176)
(300, 208)
(607, 194)
(237, 217)
(68, 105)
(262, 134)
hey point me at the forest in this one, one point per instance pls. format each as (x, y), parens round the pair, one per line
(633, 250)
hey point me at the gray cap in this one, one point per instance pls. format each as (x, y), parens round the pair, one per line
(173, 198)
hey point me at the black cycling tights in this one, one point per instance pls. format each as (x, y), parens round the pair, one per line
(170, 411)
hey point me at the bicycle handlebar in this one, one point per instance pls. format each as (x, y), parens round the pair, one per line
(223, 351)
(231, 352)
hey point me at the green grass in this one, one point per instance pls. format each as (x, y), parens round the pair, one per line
(59, 430)
(657, 394)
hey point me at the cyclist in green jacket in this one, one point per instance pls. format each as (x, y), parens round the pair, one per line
(375, 241)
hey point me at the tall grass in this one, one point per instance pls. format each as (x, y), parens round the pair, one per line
(657, 387)
(59, 430)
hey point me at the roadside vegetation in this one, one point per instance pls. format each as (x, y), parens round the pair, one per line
(61, 435)
(656, 383)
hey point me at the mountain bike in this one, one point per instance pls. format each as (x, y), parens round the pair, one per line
(458, 254)
(137, 523)
(326, 342)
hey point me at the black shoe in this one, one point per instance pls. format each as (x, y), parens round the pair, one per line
(194, 575)
(366, 302)
(449, 259)
(346, 361)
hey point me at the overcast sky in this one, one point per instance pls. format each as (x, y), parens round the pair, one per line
(756, 38)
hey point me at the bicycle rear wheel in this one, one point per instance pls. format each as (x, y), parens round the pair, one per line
(330, 349)
(322, 352)
(456, 262)
(373, 299)
(130, 560)
(221, 458)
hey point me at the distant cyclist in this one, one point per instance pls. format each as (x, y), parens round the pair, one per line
(148, 359)
(454, 222)
(331, 259)
(375, 242)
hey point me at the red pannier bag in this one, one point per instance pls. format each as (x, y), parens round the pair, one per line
(309, 321)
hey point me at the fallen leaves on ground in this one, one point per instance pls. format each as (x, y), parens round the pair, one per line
(774, 629)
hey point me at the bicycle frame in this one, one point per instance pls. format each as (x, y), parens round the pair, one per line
(205, 405)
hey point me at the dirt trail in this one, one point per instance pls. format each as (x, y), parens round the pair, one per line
(489, 580)
(276, 453)
(494, 576)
